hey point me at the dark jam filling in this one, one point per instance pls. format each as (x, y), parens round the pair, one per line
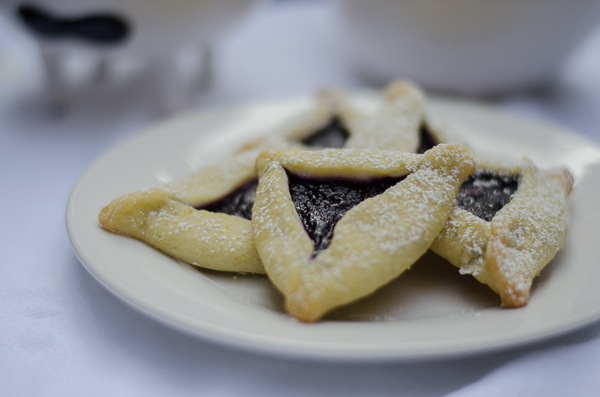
(321, 203)
(238, 203)
(333, 135)
(426, 139)
(485, 193)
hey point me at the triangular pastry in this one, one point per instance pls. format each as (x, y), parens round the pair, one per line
(372, 242)
(507, 225)
(508, 221)
(204, 218)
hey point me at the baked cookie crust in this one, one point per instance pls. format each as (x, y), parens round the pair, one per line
(394, 125)
(374, 242)
(509, 251)
(167, 217)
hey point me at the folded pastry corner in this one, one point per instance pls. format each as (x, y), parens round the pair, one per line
(508, 224)
(333, 226)
(190, 219)
(202, 238)
(529, 231)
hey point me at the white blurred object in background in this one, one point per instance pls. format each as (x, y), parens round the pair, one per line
(153, 33)
(473, 47)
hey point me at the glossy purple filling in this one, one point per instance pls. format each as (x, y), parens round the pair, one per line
(321, 203)
(426, 139)
(333, 135)
(238, 203)
(485, 193)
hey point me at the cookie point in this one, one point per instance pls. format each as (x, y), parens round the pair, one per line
(401, 88)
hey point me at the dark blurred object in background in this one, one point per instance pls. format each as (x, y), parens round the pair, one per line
(160, 36)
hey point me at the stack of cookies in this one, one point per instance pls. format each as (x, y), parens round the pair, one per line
(340, 202)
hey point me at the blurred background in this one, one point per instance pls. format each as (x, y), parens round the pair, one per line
(191, 53)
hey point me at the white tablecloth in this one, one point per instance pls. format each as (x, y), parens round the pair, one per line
(62, 333)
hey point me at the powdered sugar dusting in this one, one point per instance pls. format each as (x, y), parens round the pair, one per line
(373, 242)
(527, 235)
(510, 251)
(396, 124)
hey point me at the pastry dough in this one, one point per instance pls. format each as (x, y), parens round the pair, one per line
(509, 249)
(373, 242)
(394, 125)
(167, 217)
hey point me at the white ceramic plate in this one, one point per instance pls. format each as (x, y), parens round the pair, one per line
(430, 311)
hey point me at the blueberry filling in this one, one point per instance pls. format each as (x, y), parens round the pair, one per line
(333, 135)
(238, 203)
(485, 193)
(426, 139)
(321, 203)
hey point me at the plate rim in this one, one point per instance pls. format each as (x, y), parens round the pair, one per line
(268, 346)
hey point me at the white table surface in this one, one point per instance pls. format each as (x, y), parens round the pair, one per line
(62, 333)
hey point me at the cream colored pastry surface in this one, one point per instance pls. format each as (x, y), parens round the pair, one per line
(509, 251)
(165, 217)
(373, 242)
